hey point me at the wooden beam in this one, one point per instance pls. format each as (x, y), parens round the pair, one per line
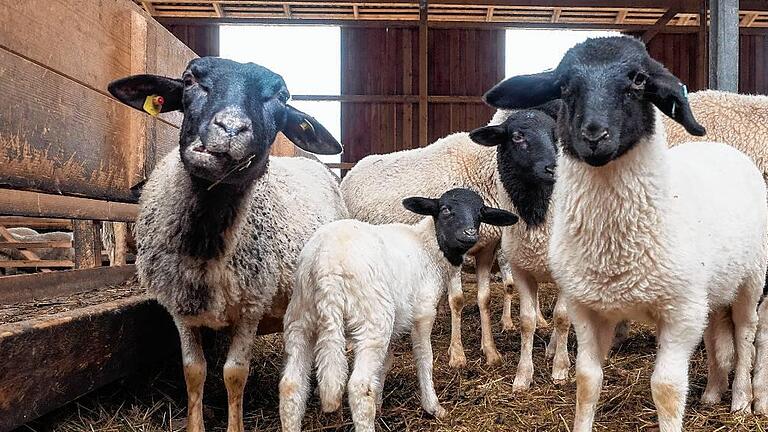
(148, 7)
(724, 45)
(24, 203)
(423, 73)
(556, 14)
(36, 286)
(287, 10)
(660, 24)
(120, 230)
(219, 9)
(489, 14)
(749, 19)
(35, 245)
(38, 263)
(87, 243)
(35, 223)
(50, 361)
(355, 11)
(702, 59)
(5, 234)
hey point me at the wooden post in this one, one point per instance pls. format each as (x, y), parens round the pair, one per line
(724, 45)
(702, 63)
(423, 71)
(121, 241)
(87, 242)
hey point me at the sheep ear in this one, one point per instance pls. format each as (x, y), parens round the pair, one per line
(489, 136)
(422, 206)
(306, 132)
(135, 89)
(671, 97)
(551, 108)
(524, 91)
(497, 217)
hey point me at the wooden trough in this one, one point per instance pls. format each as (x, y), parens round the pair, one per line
(72, 157)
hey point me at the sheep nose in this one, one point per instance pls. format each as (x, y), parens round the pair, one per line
(593, 133)
(232, 124)
(470, 232)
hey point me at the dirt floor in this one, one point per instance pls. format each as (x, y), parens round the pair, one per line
(478, 398)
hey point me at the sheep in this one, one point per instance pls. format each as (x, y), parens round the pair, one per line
(644, 232)
(23, 234)
(452, 161)
(374, 282)
(760, 378)
(526, 161)
(221, 223)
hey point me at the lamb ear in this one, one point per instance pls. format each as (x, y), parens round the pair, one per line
(133, 91)
(306, 132)
(497, 217)
(422, 206)
(524, 91)
(671, 97)
(489, 136)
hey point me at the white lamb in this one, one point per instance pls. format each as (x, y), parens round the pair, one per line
(374, 188)
(374, 283)
(643, 232)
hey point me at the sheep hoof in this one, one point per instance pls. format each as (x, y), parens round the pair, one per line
(560, 376)
(457, 360)
(493, 358)
(439, 413)
(507, 325)
(521, 383)
(741, 407)
(710, 398)
(761, 405)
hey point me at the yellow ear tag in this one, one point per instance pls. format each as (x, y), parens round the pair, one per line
(153, 104)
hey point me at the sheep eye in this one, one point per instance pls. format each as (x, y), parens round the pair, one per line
(517, 137)
(638, 81)
(189, 80)
(445, 211)
(282, 96)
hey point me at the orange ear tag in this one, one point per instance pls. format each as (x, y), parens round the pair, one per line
(153, 104)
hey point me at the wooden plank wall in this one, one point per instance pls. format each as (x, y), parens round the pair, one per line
(60, 131)
(462, 62)
(384, 62)
(203, 39)
(680, 52)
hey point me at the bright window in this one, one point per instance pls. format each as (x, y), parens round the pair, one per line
(307, 57)
(532, 51)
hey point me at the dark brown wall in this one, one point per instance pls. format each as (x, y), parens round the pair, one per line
(462, 62)
(385, 62)
(680, 54)
(203, 39)
(378, 61)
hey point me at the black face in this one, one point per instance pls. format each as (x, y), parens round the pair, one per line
(457, 215)
(526, 144)
(232, 114)
(609, 87)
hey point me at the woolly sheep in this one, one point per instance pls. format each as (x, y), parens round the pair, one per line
(374, 283)
(526, 161)
(221, 223)
(644, 232)
(23, 234)
(374, 188)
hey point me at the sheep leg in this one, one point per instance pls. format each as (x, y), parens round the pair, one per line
(422, 355)
(456, 357)
(760, 379)
(526, 286)
(483, 263)
(669, 381)
(236, 370)
(388, 363)
(371, 349)
(594, 336)
(509, 288)
(194, 374)
(718, 341)
(561, 362)
(744, 316)
(294, 385)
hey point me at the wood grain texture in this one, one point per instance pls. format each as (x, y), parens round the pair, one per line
(87, 241)
(55, 359)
